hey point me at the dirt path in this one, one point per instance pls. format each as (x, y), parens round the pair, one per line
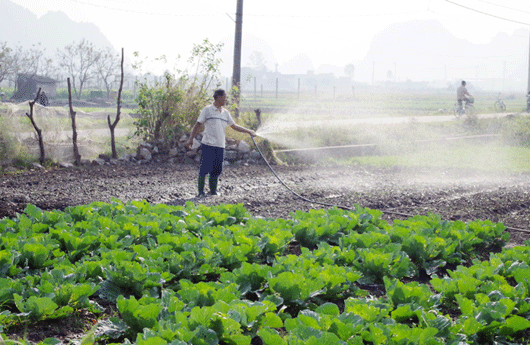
(455, 195)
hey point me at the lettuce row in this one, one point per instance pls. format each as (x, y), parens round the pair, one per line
(201, 275)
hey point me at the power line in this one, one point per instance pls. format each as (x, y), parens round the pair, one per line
(487, 14)
(509, 8)
(334, 16)
(143, 12)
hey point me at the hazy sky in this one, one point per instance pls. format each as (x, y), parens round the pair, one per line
(334, 32)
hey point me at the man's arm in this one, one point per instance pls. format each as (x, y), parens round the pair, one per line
(197, 127)
(243, 130)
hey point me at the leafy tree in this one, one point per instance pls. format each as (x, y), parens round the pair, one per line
(349, 69)
(7, 65)
(169, 107)
(108, 68)
(258, 61)
(79, 60)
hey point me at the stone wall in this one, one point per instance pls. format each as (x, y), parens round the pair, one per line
(236, 152)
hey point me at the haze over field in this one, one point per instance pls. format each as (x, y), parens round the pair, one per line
(486, 42)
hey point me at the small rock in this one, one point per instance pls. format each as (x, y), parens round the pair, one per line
(188, 160)
(230, 155)
(173, 152)
(145, 154)
(98, 161)
(191, 153)
(37, 166)
(106, 158)
(243, 147)
(65, 165)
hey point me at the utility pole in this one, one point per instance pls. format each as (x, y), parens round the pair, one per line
(236, 74)
(528, 90)
(503, 75)
(373, 74)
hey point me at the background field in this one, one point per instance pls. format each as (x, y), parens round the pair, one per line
(404, 128)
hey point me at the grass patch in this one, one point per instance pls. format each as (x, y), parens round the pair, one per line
(485, 157)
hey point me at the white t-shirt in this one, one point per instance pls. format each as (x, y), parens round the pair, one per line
(215, 122)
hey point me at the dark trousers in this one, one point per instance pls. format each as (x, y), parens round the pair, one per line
(211, 160)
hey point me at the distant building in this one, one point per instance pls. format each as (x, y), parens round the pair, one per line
(268, 81)
(29, 84)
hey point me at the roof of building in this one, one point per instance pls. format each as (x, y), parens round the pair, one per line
(38, 78)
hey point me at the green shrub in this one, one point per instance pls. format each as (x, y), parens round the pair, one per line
(170, 107)
(9, 146)
(516, 132)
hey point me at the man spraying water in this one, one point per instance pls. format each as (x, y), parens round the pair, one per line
(215, 118)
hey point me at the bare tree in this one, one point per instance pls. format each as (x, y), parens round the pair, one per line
(16, 60)
(31, 60)
(7, 62)
(112, 126)
(77, 156)
(48, 68)
(37, 129)
(79, 61)
(107, 67)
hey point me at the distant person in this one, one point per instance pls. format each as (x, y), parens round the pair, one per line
(462, 95)
(43, 99)
(215, 118)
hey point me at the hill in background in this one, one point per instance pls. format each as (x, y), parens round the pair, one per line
(54, 30)
(426, 50)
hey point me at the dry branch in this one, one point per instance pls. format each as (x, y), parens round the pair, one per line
(77, 156)
(112, 126)
(39, 131)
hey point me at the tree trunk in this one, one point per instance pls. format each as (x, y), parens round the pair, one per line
(112, 126)
(37, 129)
(258, 116)
(159, 123)
(77, 157)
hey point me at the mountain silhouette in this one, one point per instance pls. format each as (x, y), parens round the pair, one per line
(426, 50)
(54, 30)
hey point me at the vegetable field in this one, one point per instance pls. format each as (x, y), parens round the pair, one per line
(197, 274)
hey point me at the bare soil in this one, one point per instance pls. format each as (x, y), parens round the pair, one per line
(398, 192)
